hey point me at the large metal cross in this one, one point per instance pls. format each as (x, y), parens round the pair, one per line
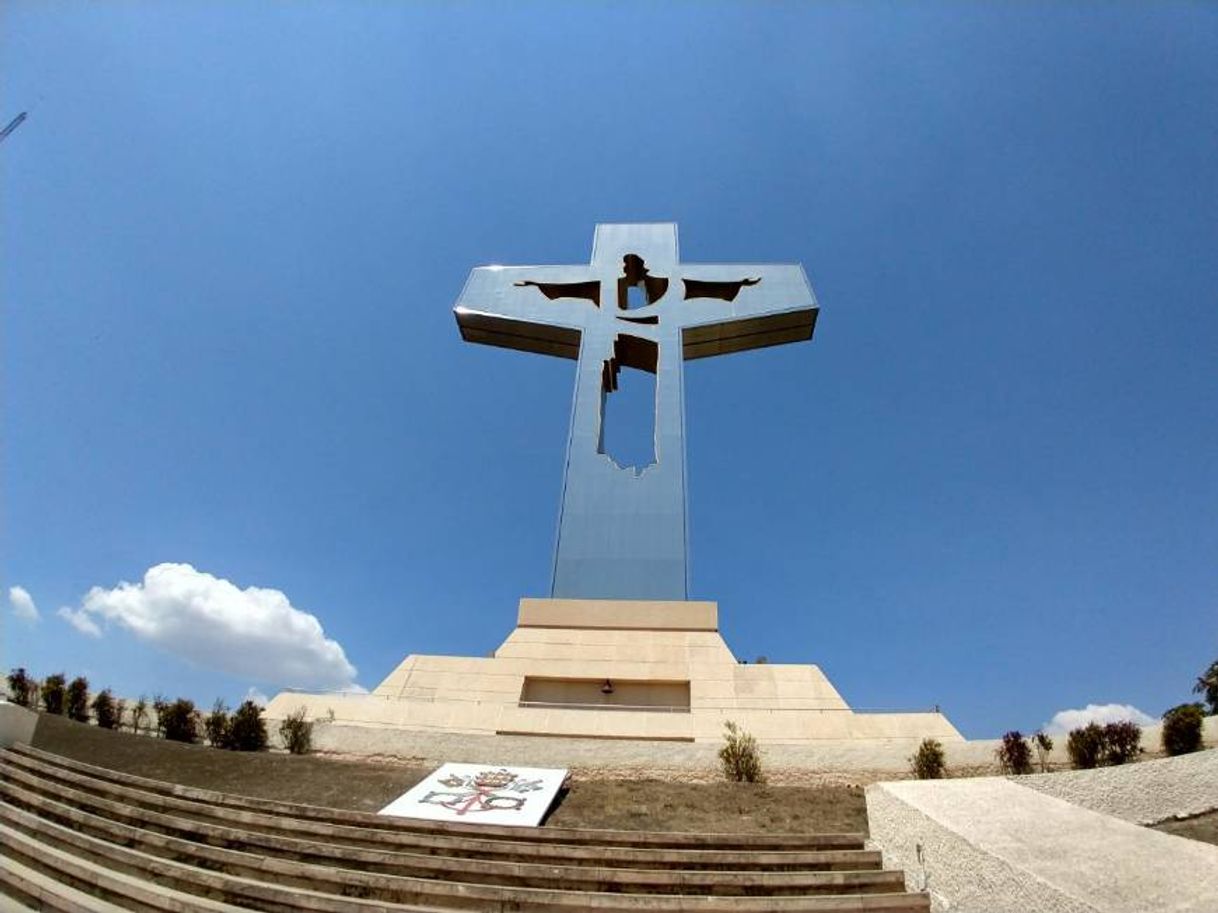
(622, 530)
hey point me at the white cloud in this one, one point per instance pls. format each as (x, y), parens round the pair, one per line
(80, 621)
(1065, 720)
(23, 603)
(254, 633)
(253, 694)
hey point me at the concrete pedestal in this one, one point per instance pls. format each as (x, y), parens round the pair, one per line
(614, 669)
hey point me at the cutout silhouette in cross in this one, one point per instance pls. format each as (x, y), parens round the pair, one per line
(622, 530)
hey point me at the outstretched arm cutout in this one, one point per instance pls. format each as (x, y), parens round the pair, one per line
(588, 290)
(724, 291)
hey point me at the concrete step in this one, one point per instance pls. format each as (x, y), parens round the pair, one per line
(286, 856)
(270, 884)
(24, 888)
(137, 881)
(318, 864)
(568, 836)
(438, 845)
(45, 877)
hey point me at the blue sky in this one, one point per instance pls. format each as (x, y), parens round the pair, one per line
(233, 235)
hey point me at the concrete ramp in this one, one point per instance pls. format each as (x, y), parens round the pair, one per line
(989, 845)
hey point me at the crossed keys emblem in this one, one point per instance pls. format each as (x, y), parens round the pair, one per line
(486, 791)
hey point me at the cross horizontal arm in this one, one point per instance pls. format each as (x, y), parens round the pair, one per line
(497, 330)
(781, 308)
(502, 306)
(754, 333)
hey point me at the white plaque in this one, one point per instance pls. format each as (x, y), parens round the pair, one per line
(481, 794)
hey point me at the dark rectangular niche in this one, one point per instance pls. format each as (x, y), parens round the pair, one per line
(605, 694)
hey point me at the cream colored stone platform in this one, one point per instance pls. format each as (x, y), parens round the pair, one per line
(614, 669)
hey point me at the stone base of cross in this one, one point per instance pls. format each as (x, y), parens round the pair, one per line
(622, 531)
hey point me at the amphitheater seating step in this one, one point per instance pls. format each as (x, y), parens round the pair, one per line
(204, 816)
(48, 878)
(70, 827)
(571, 836)
(29, 889)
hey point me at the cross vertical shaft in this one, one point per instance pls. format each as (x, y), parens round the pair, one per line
(621, 531)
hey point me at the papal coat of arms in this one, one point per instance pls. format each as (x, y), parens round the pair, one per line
(481, 794)
(485, 791)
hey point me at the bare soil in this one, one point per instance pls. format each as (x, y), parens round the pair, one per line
(1203, 827)
(718, 807)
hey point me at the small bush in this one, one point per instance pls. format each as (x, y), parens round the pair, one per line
(297, 732)
(1043, 745)
(180, 721)
(216, 724)
(740, 756)
(159, 706)
(928, 763)
(1207, 685)
(1014, 755)
(139, 715)
(105, 710)
(1182, 729)
(120, 713)
(1122, 742)
(247, 729)
(78, 699)
(1085, 746)
(21, 688)
(53, 693)
(1094, 745)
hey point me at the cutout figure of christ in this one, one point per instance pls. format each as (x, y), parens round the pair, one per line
(622, 532)
(635, 273)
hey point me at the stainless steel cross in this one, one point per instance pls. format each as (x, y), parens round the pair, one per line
(622, 532)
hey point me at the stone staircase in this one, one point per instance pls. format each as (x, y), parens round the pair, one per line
(74, 837)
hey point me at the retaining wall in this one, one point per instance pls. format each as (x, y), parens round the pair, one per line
(991, 845)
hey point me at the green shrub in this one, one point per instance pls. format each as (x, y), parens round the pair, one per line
(1094, 745)
(740, 756)
(180, 721)
(78, 699)
(1043, 745)
(159, 706)
(1207, 684)
(1085, 746)
(120, 713)
(21, 688)
(1182, 729)
(105, 711)
(1122, 742)
(1014, 755)
(928, 762)
(139, 715)
(216, 724)
(247, 729)
(296, 730)
(53, 693)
